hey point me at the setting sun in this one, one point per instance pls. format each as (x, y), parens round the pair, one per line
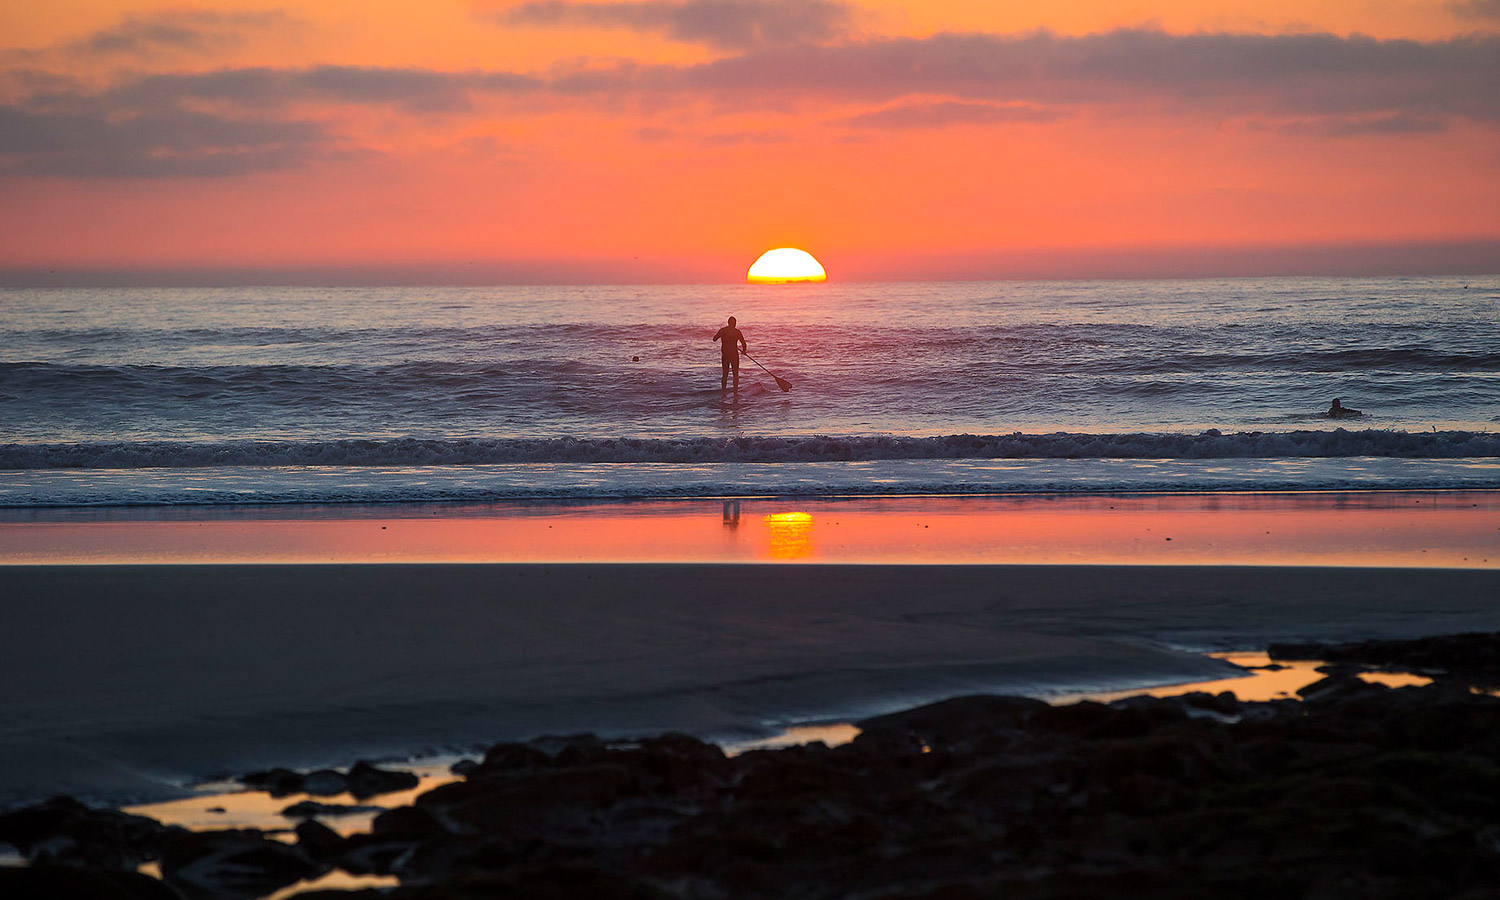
(785, 265)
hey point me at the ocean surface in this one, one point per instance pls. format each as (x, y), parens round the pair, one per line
(314, 395)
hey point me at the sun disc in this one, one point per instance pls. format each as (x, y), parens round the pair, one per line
(785, 265)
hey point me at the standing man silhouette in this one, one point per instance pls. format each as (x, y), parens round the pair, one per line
(731, 342)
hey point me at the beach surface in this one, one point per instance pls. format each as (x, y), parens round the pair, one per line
(1382, 529)
(131, 682)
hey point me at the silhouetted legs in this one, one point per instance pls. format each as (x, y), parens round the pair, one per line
(729, 365)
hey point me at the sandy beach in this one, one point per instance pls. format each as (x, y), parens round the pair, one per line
(135, 681)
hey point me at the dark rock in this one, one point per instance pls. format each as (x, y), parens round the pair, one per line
(393, 837)
(463, 767)
(366, 780)
(572, 749)
(308, 809)
(407, 823)
(62, 830)
(366, 854)
(319, 842)
(1339, 687)
(502, 757)
(276, 782)
(79, 883)
(325, 783)
(1224, 702)
(960, 719)
(566, 792)
(238, 862)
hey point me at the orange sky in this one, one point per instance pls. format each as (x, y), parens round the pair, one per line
(676, 139)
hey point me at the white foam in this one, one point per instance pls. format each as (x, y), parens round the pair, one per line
(1213, 444)
(235, 485)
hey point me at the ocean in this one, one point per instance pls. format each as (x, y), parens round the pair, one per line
(269, 395)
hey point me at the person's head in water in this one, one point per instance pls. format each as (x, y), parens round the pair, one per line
(731, 321)
(1337, 405)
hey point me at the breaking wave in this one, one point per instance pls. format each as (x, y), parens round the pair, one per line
(1211, 444)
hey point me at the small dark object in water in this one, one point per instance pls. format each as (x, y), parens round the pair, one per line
(1337, 410)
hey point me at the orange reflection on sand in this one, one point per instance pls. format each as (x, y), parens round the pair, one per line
(1429, 530)
(227, 805)
(833, 735)
(1260, 684)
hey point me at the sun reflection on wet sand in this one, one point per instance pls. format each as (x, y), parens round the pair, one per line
(1408, 530)
(789, 535)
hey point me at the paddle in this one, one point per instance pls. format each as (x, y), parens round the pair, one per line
(780, 382)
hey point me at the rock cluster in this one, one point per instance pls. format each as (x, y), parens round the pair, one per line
(363, 780)
(1473, 657)
(1356, 790)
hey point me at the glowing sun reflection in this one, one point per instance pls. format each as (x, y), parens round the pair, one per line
(790, 535)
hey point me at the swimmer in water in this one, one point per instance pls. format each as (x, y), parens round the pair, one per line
(1339, 411)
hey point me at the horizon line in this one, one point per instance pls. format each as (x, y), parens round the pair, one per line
(1368, 260)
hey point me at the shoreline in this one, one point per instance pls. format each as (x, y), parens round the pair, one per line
(147, 678)
(233, 804)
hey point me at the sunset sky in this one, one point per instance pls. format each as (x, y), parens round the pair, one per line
(674, 140)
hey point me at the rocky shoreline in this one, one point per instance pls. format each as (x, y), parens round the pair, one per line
(1353, 790)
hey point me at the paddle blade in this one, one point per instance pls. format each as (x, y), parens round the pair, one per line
(783, 384)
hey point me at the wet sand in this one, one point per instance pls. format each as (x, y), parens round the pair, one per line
(1433, 529)
(128, 682)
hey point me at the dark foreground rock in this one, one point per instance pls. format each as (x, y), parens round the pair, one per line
(81, 883)
(66, 832)
(311, 809)
(1363, 793)
(1354, 791)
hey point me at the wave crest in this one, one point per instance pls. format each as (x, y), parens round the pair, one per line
(815, 448)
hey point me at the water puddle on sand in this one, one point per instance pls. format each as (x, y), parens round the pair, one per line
(222, 805)
(1265, 680)
(833, 734)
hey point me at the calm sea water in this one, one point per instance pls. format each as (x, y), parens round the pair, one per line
(303, 394)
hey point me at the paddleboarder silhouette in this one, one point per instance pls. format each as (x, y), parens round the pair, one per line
(731, 342)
